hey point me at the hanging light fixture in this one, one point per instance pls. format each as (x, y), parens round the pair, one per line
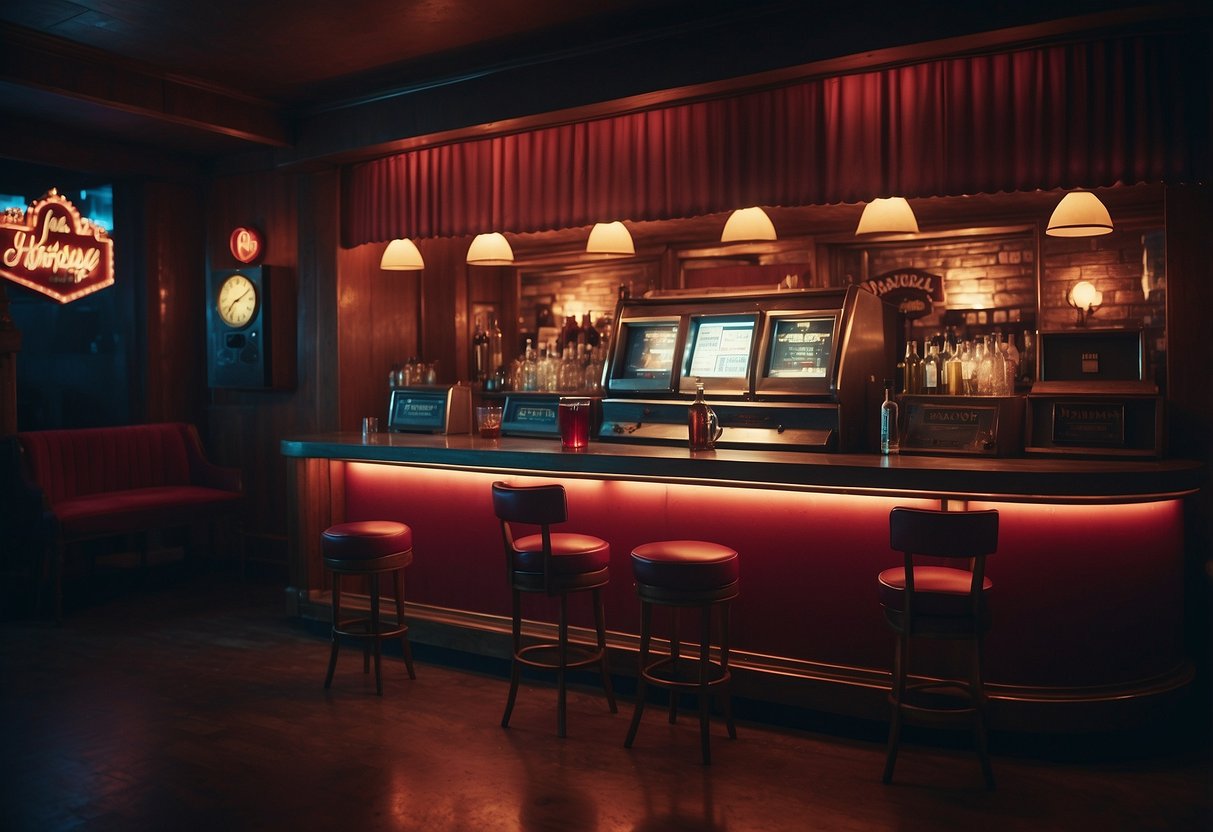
(1079, 214)
(887, 215)
(401, 256)
(610, 238)
(490, 250)
(748, 225)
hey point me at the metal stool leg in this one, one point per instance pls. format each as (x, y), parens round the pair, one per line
(515, 667)
(675, 654)
(373, 626)
(901, 658)
(398, 579)
(562, 669)
(646, 620)
(328, 677)
(724, 669)
(600, 627)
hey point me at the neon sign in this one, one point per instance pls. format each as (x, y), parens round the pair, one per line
(51, 249)
(245, 244)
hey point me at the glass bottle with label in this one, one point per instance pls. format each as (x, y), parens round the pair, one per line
(480, 352)
(890, 428)
(703, 429)
(931, 374)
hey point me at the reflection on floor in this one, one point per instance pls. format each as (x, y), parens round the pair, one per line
(194, 703)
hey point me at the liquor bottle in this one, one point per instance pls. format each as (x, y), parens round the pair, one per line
(702, 427)
(480, 352)
(530, 369)
(931, 374)
(953, 371)
(1027, 360)
(890, 429)
(1012, 356)
(998, 373)
(914, 382)
(591, 335)
(985, 368)
(496, 356)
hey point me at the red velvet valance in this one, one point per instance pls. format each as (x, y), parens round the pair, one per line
(1087, 114)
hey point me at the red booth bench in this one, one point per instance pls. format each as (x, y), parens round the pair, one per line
(127, 480)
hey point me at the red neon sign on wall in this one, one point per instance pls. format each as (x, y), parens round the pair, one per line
(51, 249)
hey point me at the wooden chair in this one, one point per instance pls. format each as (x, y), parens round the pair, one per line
(939, 602)
(555, 564)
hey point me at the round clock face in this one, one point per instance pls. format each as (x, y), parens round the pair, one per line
(237, 300)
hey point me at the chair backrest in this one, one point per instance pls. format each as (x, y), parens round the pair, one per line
(969, 535)
(539, 505)
(535, 505)
(944, 534)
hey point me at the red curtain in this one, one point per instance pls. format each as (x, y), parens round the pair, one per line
(1087, 114)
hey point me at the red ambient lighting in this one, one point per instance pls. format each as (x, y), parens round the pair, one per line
(245, 244)
(51, 249)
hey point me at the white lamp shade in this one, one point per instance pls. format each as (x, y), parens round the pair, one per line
(1079, 214)
(1084, 295)
(887, 215)
(490, 250)
(610, 238)
(401, 255)
(748, 224)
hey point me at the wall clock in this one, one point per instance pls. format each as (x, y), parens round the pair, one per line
(251, 328)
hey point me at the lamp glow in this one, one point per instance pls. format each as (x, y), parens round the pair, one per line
(1085, 298)
(887, 215)
(490, 250)
(748, 225)
(401, 256)
(1079, 214)
(610, 238)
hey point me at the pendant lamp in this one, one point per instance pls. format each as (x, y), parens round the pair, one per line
(748, 225)
(490, 250)
(1079, 214)
(610, 238)
(401, 256)
(887, 215)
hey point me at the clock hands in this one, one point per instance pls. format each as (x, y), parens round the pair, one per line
(236, 300)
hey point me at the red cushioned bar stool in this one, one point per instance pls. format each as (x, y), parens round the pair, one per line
(370, 549)
(677, 574)
(925, 601)
(556, 564)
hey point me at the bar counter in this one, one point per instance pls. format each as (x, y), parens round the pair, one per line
(1088, 623)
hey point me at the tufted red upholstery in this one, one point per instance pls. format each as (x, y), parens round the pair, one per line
(366, 539)
(685, 564)
(572, 554)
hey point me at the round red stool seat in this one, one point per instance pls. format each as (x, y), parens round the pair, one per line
(366, 539)
(944, 589)
(572, 554)
(690, 570)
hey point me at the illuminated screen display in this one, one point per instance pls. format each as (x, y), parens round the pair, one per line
(649, 350)
(722, 348)
(801, 348)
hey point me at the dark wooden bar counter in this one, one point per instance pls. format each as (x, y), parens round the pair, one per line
(1088, 613)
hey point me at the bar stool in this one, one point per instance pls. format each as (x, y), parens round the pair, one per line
(939, 602)
(369, 548)
(677, 574)
(554, 563)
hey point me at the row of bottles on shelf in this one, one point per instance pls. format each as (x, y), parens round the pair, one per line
(547, 369)
(990, 365)
(570, 362)
(413, 373)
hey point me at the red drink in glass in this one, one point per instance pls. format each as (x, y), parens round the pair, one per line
(573, 420)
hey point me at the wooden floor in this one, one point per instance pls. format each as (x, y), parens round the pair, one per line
(194, 703)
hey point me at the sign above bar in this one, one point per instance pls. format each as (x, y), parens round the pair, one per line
(913, 291)
(51, 249)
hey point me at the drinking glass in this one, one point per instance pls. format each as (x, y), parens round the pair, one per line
(488, 419)
(573, 419)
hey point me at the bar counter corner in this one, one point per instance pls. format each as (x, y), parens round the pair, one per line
(1088, 620)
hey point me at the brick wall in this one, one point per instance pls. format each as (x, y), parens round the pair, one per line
(989, 283)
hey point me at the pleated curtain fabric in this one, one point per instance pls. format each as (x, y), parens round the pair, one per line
(1090, 114)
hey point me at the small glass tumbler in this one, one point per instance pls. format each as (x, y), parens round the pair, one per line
(370, 427)
(488, 420)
